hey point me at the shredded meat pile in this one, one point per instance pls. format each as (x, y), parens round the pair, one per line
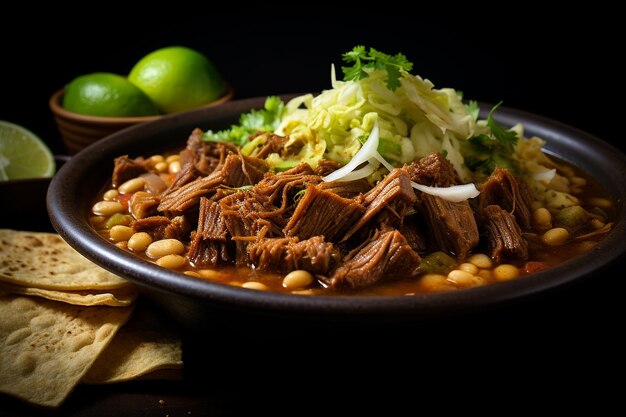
(229, 209)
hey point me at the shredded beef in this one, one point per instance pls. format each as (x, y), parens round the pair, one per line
(347, 189)
(322, 213)
(511, 194)
(125, 169)
(386, 256)
(393, 194)
(433, 170)
(160, 227)
(249, 216)
(451, 226)
(504, 236)
(289, 253)
(326, 166)
(143, 204)
(273, 144)
(236, 171)
(209, 246)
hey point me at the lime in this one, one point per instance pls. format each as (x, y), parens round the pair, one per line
(23, 154)
(108, 95)
(177, 78)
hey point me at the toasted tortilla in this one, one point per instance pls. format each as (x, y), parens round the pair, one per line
(44, 260)
(46, 347)
(147, 343)
(122, 297)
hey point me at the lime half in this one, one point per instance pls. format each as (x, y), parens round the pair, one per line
(23, 154)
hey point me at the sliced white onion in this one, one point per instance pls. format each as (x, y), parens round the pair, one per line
(454, 193)
(367, 151)
(364, 172)
(545, 175)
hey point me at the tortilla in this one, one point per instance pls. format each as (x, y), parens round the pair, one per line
(122, 297)
(44, 260)
(144, 345)
(46, 347)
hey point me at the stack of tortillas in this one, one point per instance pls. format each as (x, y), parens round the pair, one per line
(61, 320)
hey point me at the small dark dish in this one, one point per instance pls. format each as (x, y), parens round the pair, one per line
(190, 299)
(24, 202)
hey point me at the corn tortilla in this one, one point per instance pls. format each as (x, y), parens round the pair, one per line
(122, 297)
(44, 260)
(147, 343)
(46, 347)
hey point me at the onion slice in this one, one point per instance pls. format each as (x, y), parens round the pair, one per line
(545, 175)
(367, 151)
(454, 193)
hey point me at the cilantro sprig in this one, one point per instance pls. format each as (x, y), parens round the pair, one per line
(362, 59)
(266, 119)
(490, 151)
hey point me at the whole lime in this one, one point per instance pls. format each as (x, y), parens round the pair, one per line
(107, 95)
(177, 78)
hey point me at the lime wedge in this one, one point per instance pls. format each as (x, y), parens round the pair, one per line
(23, 154)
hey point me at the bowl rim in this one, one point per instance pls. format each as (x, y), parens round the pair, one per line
(74, 228)
(55, 106)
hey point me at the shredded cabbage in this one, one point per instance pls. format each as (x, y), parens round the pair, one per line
(414, 120)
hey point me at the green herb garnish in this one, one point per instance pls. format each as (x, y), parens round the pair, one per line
(374, 59)
(486, 152)
(266, 119)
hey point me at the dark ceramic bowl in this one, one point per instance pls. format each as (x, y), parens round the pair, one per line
(199, 303)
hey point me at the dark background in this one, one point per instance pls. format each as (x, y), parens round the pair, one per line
(561, 66)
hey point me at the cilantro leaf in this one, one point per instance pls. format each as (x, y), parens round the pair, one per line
(266, 119)
(486, 152)
(374, 59)
(507, 138)
(473, 109)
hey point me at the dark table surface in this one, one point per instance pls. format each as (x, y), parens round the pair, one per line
(568, 338)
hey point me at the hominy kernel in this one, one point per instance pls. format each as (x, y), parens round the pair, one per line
(132, 186)
(505, 272)
(155, 159)
(173, 167)
(96, 220)
(303, 292)
(121, 245)
(555, 237)
(297, 279)
(460, 277)
(578, 181)
(253, 285)
(433, 282)
(480, 260)
(542, 218)
(171, 261)
(161, 167)
(172, 158)
(107, 208)
(600, 202)
(119, 233)
(486, 274)
(208, 273)
(597, 224)
(192, 274)
(139, 241)
(165, 247)
(587, 245)
(536, 204)
(110, 195)
(469, 267)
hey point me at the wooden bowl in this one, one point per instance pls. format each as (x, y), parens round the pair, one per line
(79, 130)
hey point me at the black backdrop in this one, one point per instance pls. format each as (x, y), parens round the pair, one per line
(557, 66)
(561, 67)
